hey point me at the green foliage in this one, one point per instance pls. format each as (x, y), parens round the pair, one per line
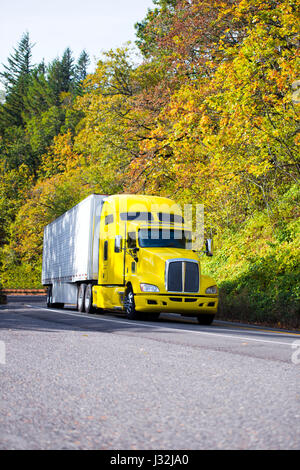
(15, 149)
(41, 129)
(3, 299)
(16, 78)
(80, 70)
(12, 195)
(37, 98)
(37, 106)
(23, 276)
(258, 266)
(146, 30)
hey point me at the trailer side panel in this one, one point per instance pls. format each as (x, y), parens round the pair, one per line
(71, 244)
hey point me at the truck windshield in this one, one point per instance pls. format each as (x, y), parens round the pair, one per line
(138, 216)
(171, 218)
(155, 238)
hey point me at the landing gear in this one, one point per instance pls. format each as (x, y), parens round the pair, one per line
(49, 300)
(49, 297)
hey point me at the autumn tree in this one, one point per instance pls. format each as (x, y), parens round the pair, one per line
(226, 135)
(37, 107)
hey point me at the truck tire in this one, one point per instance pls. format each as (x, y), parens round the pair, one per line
(80, 297)
(205, 318)
(129, 305)
(88, 299)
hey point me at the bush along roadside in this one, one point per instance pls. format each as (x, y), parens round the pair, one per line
(258, 269)
(3, 298)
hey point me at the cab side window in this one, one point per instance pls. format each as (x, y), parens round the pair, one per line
(105, 250)
(118, 244)
(131, 241)
(109, 219)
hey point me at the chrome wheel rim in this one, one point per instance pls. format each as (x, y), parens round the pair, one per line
(87, 298)
(80, 296)
(129, 302)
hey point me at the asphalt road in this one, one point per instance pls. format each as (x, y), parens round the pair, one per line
(77, 381)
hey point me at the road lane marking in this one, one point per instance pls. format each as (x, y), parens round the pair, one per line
(147, 325)
(255, 328)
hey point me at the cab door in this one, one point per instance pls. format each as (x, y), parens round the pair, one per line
(112, 253)
(116, 259)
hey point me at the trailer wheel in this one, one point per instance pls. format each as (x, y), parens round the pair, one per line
(80, 298)
(129, 305)
(88, 299)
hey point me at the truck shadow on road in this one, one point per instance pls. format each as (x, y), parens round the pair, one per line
(30, 313)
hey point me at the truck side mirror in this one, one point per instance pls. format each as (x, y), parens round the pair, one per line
(131, 240)
(135, 250)
(209, 247)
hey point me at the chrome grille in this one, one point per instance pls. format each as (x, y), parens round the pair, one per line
(182, 276)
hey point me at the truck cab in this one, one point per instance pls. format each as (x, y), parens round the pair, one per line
(146, 261)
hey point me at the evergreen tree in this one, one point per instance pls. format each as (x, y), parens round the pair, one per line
(67, 70)
(82, 66)
(61, 75)
(38, 97)
(16, 78)
(81, 71)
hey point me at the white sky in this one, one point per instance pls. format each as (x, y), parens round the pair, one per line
(54, 25)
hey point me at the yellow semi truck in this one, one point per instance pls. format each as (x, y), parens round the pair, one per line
(129, 253)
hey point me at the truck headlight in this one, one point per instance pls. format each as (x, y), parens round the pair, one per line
(149, 288)
(211, 290)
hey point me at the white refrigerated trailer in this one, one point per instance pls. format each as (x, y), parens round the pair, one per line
(126, 252)
(71, 251)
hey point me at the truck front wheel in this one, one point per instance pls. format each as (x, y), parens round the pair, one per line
(129, 305)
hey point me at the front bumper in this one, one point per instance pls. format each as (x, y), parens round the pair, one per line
(176, 303)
